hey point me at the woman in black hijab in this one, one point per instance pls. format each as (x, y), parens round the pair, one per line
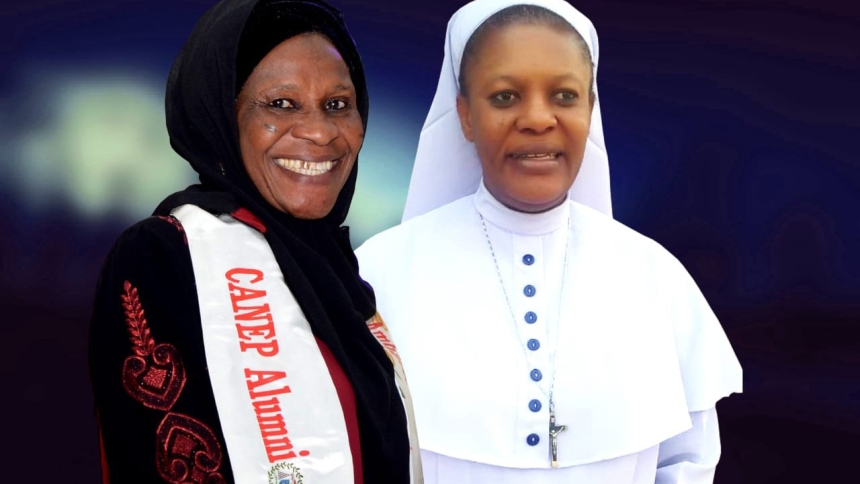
(267, 100)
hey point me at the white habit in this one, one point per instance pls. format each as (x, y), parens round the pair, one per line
(641, 358)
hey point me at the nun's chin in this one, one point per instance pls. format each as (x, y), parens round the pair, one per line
(529, 196)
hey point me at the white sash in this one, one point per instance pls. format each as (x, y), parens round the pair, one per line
(278, 407)
(383, 335)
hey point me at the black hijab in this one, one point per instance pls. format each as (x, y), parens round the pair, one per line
(315, 256)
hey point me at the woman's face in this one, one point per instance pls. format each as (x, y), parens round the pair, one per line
(527, 109)
(299, 126)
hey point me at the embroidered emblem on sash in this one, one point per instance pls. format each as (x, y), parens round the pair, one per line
(188, 451)
(285, 473)
(154, 376)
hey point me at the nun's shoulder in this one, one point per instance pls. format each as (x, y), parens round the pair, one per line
(614, 239)
(426, 228)
(629, 260)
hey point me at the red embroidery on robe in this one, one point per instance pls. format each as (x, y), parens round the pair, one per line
(188, 451)
(102, 454)
(176, 223)
(154, 375)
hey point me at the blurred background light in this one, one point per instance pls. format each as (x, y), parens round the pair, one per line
(93, 140)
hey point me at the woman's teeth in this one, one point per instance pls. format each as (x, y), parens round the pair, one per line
(308, 168)
(536, 156)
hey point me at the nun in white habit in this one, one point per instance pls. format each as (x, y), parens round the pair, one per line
(544, 341)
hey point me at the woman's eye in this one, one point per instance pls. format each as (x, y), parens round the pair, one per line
(336, 105)
(503, 98)
(566, 96)
(282, 104)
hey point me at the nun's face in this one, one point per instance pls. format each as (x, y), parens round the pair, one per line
(527, 109)
(299, 127)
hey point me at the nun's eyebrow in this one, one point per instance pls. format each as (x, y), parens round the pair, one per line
(560, 77)
(566, 76)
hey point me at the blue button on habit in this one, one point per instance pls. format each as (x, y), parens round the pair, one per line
(531, 317)
(534, 344)
(536, 375)
(533, 439)
(529, 290)
(528, 259)
(535, 405)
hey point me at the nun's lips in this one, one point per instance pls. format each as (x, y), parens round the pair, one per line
(536, 152)
(540, 156)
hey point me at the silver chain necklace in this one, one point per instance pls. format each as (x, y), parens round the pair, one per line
(554, 429)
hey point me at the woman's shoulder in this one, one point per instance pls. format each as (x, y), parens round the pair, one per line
(152, 250)
(624, 249)
(597, 227)
(147, 274)
(157, 231)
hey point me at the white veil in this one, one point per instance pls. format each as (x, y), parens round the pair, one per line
(446, 164)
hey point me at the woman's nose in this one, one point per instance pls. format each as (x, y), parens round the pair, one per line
(536, 115)
(316, 127)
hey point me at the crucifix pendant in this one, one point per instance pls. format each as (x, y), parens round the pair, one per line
(554, 430)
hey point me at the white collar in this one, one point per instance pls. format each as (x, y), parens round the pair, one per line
(516, 222)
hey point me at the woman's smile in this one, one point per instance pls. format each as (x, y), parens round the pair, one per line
(307, 168)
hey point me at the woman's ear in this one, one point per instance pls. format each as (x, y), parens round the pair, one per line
(465, 120)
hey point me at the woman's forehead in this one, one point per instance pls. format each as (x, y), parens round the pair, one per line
(303, 55)
(534, 36)
(524, 47)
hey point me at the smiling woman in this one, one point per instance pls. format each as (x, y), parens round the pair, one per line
(300, 129)
(232, 339)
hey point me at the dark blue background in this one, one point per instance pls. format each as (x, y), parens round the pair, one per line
(732, 129)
